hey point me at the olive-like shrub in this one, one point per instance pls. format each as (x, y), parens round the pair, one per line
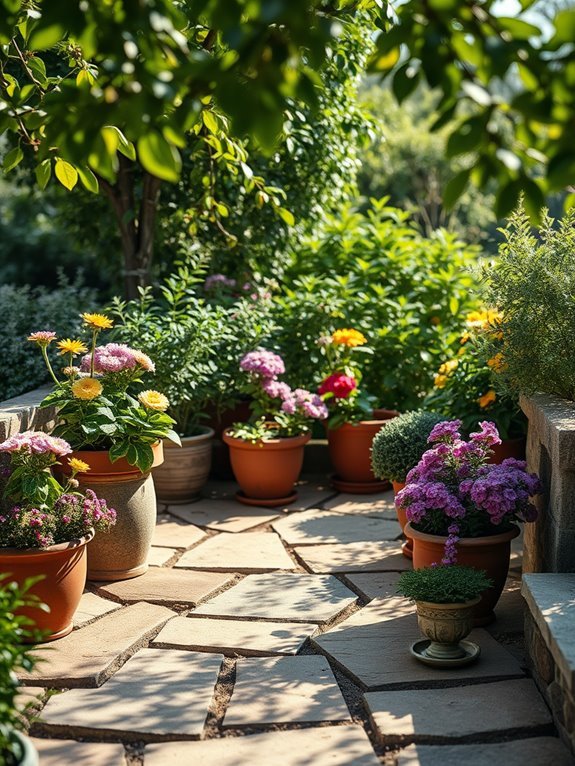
(398, 447)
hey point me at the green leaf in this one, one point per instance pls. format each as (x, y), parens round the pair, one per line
(533, 200)
(46, 37)
(66, 174)
(43, 172)
(564, 27)
(455, 188)
(13, 157)
(286, 216)
(210, 121)
(405, 81)
(520, 29)
(38, 69)
(159, 158)
(561, 170)
(88, 179)
(507, 198)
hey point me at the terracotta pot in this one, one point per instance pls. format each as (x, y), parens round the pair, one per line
(185, 469)
(407, 545)
(508, 448)
(267, 470)
(123, 552)
(445, 625)
(490, 553)
(350, 448)
(63, 568)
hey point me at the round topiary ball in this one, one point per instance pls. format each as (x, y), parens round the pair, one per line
(398, 447)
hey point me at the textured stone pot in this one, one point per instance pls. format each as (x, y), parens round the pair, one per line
(62, 568)
(490, 554)
(26, 753)
(185, 469)
(445, 625)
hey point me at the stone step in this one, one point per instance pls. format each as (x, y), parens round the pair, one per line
(537, 751)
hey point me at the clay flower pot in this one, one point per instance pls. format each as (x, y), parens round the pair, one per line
(350, 454)
(407, 545)
(63, 571)
(445, 625)
(267, 470)
(508, 448)
(185, 469)
(490, 553)
(123, 552)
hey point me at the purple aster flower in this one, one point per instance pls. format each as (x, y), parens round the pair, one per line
(446, 431)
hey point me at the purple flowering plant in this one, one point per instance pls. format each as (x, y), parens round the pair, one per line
(277, 409)
(453, 491)
(36, 511)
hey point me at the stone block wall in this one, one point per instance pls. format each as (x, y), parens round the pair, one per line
(549, 544)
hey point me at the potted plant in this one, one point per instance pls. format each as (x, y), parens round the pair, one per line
(15, 630)
(45, 526)
(353, 421)
(445, 597)
(398, 448)
(468, 386)
(118, 432)
(461, 509)
(267, 451)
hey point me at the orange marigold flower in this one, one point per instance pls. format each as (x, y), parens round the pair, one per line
(497, 363)
(86, 388)
(487, 399)
(348, 337)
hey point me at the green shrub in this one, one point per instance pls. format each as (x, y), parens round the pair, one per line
(25, 309)
(408, 295)
(453, 584)
(398, 447)
(533, 283)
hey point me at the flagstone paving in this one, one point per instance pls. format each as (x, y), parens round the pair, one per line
(268, 637)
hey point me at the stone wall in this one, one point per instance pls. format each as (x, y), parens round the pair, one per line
(22, 414)
(549, 544)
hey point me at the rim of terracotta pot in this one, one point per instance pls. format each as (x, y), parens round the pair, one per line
(390, 414)
(57, 548)
(207, 433)
(277, 443)
(451, 606)
(119, 468)
(464, 542)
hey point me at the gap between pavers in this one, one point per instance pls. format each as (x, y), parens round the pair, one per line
(91, 607)
(245, 552)
(159, 557)
(157, 693)
(323, 527)
(89, 655)
(535, 751)
(459, 713)
(64, 752)
(234, 637)
(374, 584)
(345, 745)
(286, 690)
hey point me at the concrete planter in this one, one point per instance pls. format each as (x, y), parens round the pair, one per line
(185, 469)
(445, 625)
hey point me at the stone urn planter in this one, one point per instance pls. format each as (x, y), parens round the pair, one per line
(185, 469)
(446, 625)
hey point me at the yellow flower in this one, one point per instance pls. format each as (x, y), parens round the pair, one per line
(448, 367)
(348, 337)
(86, 388)
(440, 381)
(154, 400)
(487, 399)
(97, 321)
(78, 466)
(484, 320)
(497, 363)
(73, 347)
(464, 338)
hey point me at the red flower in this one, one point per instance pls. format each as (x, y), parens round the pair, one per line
(338, 384)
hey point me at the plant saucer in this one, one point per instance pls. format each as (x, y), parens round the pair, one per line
(263, 503)
(472, 652)
(359, 487)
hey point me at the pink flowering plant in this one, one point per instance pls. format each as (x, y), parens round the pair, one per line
(36, 511)
(453, 491)
(277, 409)
(98, 404)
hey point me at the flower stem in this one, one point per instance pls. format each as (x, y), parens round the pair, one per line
(49, 366)
(93, 356)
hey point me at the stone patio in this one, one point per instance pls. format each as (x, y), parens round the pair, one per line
(275, 638)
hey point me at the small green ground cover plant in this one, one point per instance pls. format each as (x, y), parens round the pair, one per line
(453, 584)
(398, 447)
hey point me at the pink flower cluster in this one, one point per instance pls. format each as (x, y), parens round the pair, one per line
(219, 280)
(37, 443)
(262, 364)
(116, 357)
(308, 404)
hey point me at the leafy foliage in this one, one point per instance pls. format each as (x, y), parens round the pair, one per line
(443, 584)
(399, 445)
(532, 283)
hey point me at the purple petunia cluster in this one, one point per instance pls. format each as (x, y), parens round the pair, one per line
(454, 491)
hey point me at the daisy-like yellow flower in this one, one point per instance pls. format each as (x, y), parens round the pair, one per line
(154, 400)
(78, 466)
(97, 321)
(86, 388)
(487, 399)
(73, 347)
(348, 337)
(497, 363)
(448, 367)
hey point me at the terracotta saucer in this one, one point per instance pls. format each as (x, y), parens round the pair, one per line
(407, 548)
(359, 487)
(262, 503)
(472, 652)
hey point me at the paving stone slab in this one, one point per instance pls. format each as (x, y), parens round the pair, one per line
(376, 584)
(58, 752)
(319, 746)
(381, 505)
(310, 493)
(89, 655)
(159, 557)
(461, 711)
(320, 527)
(354, 557)
(286, 690)
(92, 606)
(246, 552)
(171, 532)
(279, 596)
(233, 637)
(157, 692)
(167, 586)
(537, 751)
(372, 646)
(510, 611)
(224, 515)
